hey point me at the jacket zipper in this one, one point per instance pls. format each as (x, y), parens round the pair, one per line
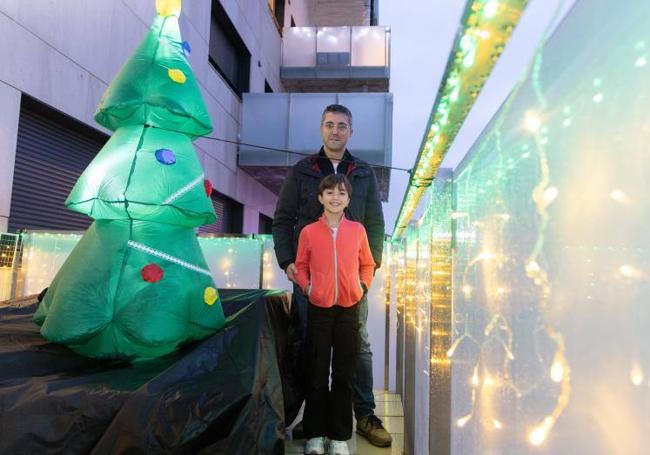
(336, 272)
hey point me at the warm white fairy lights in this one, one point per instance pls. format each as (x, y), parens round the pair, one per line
(619, 196)
(463, 420)
(567, 261)
(636, 375)
(532, 122)
(43, 255)
(631, 272)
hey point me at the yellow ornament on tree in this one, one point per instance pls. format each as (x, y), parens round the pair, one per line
(210, 295)
(168, 7)
(177, 76)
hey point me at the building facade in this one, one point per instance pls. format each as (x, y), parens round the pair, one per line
(62, 56)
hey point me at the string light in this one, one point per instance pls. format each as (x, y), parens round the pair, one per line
(475, 379)
(629, 271)
(538, 435)
(490, 8)
(636, 375)
(463, 420)
(532, 122)
(619, 196)
(557, 370)
(467, 291)
(489, 377)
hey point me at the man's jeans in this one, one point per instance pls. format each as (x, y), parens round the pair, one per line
(363, 398)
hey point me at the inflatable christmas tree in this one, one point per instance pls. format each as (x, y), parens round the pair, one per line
(137, 284)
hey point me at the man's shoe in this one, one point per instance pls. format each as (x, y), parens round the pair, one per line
(372, 429)
(338, 448)
(315, 446)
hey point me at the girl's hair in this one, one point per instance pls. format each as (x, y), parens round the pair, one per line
(334, 181)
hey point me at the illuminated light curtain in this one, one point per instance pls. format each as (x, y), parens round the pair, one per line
(550, 265)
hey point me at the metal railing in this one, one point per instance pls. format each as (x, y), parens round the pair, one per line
(10, 247)
(30, 260)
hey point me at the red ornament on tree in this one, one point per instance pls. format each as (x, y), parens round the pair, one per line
(208, 187)
(151, 273)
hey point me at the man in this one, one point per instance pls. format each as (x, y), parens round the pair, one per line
(298, 206)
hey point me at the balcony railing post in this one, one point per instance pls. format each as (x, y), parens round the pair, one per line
(15, 265)
(262, 248)
(387, 303)
(284, 37)
(350, 46)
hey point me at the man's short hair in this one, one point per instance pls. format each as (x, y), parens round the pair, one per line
(338, 109)
(334, 181)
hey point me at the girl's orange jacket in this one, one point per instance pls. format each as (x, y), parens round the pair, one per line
(332, 266)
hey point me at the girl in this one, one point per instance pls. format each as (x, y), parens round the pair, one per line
(335, 268)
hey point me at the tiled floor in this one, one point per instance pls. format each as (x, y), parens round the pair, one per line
(389, 410)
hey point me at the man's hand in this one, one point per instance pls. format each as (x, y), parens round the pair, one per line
(291, 272)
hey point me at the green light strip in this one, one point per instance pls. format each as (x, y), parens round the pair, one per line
(487, 26)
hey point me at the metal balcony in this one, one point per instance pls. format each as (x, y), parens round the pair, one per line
(286, 126)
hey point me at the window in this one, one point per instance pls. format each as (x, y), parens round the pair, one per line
(265, 224)
(228, 53)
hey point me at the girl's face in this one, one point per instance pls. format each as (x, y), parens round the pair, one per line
(334, 200)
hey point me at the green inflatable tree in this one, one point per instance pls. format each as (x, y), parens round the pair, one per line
(137, 284)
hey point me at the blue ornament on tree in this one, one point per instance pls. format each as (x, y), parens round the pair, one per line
(186, 48)
(165, 156)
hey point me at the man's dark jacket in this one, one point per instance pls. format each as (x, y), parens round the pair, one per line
(298, 203)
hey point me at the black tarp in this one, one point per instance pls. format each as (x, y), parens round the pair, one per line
(222, 395)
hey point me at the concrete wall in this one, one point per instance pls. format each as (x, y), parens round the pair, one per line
(65, 54)
(300, 12)
(9, 105)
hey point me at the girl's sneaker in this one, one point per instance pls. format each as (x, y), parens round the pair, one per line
(338, 448)
(315, 446)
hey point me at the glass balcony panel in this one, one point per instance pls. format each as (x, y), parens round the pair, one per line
(369, 46)
(299, 47)
(333, 39)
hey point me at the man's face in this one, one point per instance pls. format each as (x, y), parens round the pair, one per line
(336, 131)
